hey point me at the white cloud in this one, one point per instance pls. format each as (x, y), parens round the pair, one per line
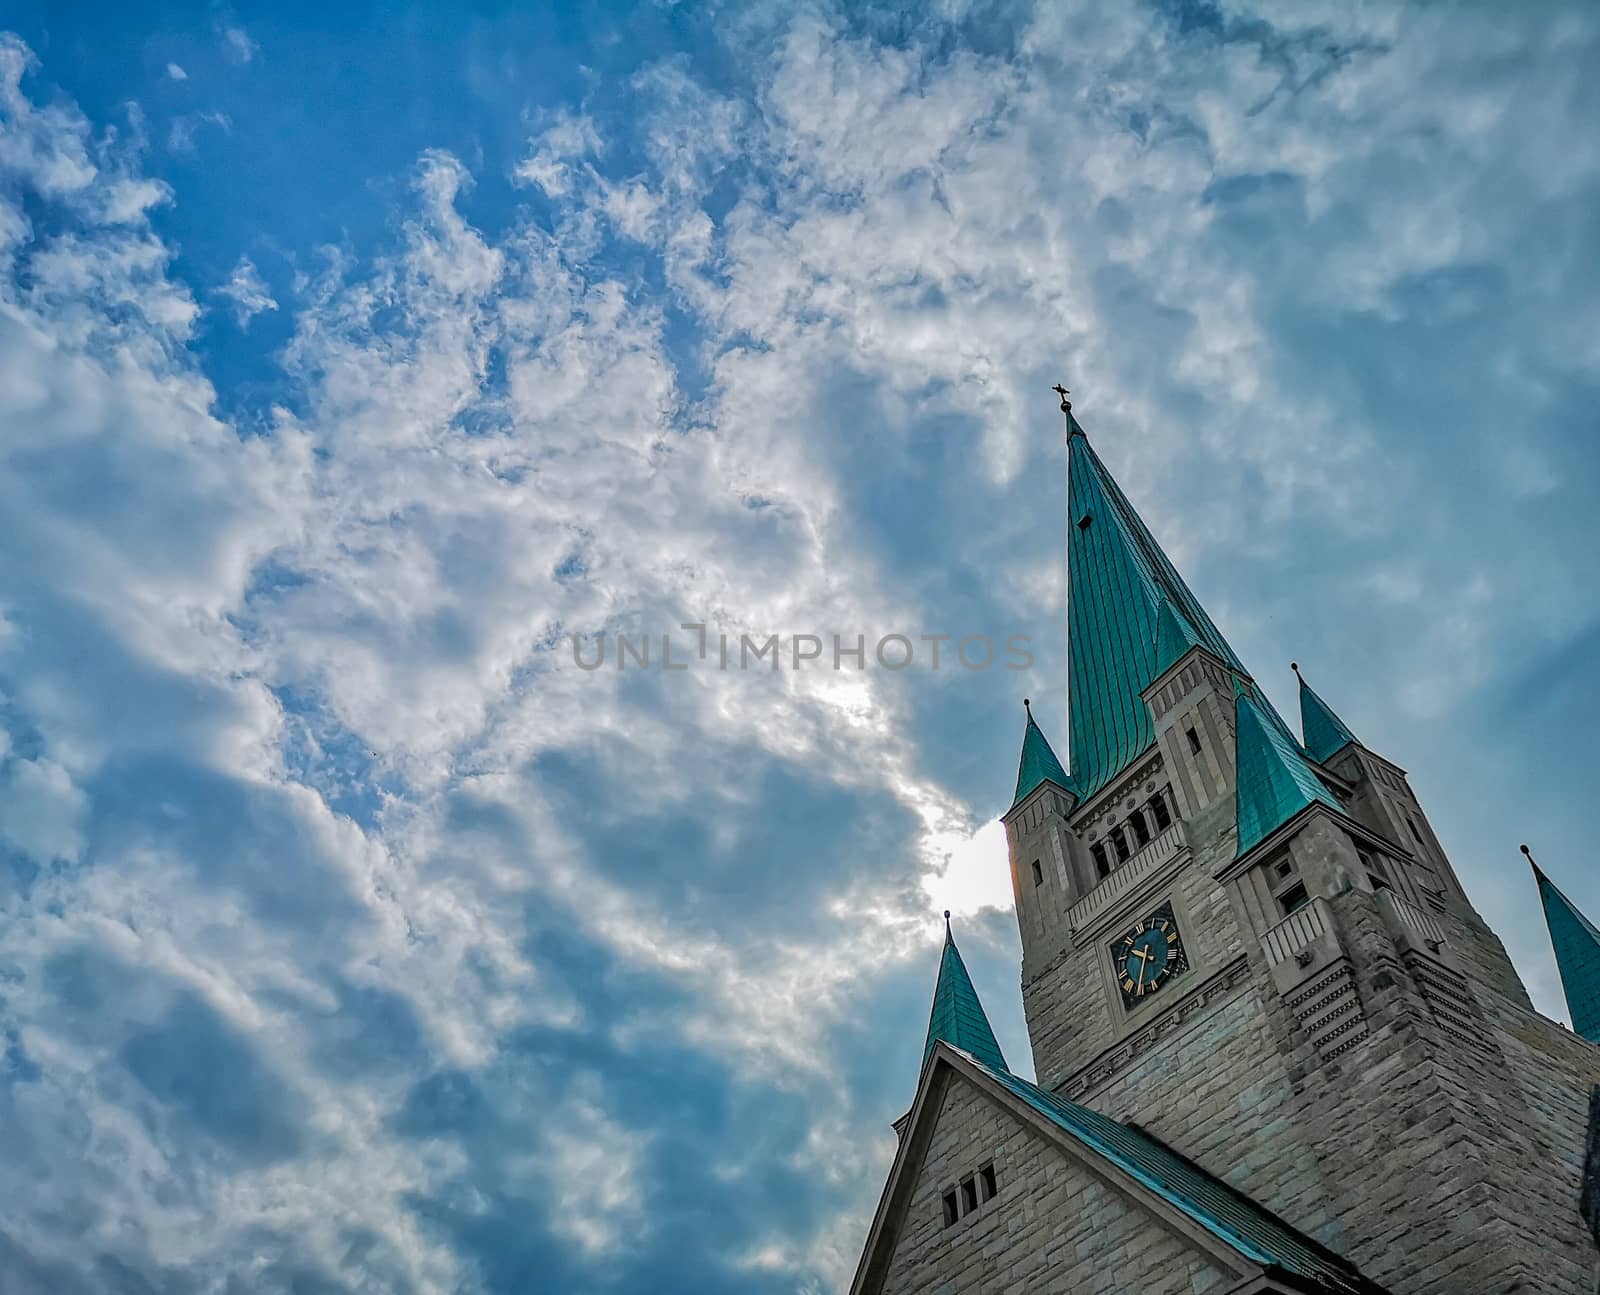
(41, 812)
(238, 45)
(293, 712)
(248, 291)
(176, 73)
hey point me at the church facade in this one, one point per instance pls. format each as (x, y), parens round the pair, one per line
(1276, 1047)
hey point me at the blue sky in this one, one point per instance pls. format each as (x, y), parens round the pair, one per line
(351, 938)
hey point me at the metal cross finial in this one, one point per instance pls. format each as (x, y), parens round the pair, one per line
(1066, 405)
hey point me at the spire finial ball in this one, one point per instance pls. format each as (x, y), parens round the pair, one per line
(947, 914)
(1526, 851)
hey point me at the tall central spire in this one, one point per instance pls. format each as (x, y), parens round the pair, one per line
(1118, 581)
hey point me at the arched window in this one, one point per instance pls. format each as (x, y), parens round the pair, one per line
(1102, 864)
(1159, 811)
(1119, 843)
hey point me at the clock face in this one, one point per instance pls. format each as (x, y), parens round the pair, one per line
(1149, 955)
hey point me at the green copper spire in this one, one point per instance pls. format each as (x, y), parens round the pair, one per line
(1039, 762)
(1117, 582)
(1274, 781)
(1321, 730)
(1577, 946)
(957, 1015)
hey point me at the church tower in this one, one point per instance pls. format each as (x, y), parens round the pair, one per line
(1247, 947)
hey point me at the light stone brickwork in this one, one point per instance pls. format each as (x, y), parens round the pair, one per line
(1054, 1227)
(1421, 1120)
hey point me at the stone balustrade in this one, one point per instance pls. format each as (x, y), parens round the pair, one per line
(1163, 847)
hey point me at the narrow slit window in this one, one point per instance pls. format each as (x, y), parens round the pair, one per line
(1085, 521)
(1141, 829)
(1415, 830)
(989, 1186)
(951, 1213)
(1102, 864)
(1038, 874)
(1160, 812)
(1119, 843)
(1194, 739)
(969, 1195)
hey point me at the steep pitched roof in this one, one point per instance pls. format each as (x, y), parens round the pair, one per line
(1117, 580)
(1273, 781)
(1038, 762)
(1139, 1164)
(957, 1016)
(1228, 1214)
(1577, 946)
(1321, 731)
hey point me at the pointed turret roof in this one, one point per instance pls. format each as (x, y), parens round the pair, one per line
(957, 1015)
(1174, 637)
(1577, 946)
(1274, 782)
(1118, 580)
(1322, 732)
(1038, 763)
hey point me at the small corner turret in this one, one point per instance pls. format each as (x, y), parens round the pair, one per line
(957, 1016)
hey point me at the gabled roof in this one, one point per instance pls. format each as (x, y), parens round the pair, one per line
(1228, 1214)
(957, 1016)
(1241, 1234)
(1273, 781)
(1577, 946)
(1038, 763)
(1322, 732)
(1117, 581)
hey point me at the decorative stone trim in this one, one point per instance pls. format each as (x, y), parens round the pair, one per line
(1330, 1012)
(1450, 999)
(1107, 803)
(1114, 1060)
(1163, 848)
(1295, 932)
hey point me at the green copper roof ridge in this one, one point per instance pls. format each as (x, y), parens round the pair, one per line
(1273, 782)
(1167, 573)
(1038, 762)
(1322, 732)
(957, 1015)
(1576, 943)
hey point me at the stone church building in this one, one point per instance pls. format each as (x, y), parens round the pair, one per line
(1277, 1048)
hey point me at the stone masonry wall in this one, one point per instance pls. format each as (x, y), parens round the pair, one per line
(1053, 1228)
(1071, 1017)
(1220, 1092)
(1449, 1136)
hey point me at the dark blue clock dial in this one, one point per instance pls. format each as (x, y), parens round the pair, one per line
(1146, 957)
